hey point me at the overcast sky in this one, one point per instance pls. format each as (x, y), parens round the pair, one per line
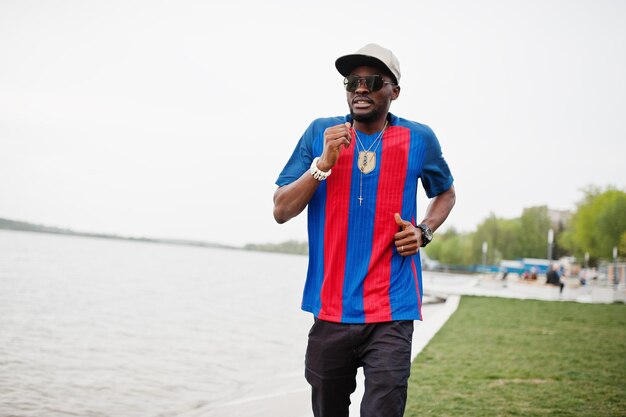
(173, 119)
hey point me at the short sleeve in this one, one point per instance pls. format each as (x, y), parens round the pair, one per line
(310, 145)
(436, 176)
(300, 159)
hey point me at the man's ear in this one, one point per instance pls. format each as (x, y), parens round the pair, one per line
(395, 93)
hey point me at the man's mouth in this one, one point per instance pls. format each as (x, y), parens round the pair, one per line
(361, 102)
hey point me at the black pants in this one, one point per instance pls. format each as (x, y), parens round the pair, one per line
(559, 284)
(336, 350)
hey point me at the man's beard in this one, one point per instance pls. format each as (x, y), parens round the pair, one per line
(365, 118)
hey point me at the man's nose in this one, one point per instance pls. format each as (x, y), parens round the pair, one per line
(362, 87)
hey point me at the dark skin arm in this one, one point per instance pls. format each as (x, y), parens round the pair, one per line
(409, 239)
(291, 199)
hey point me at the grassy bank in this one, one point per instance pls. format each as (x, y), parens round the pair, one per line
(502, 357)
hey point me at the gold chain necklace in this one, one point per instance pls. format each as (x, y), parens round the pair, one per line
(367, 158)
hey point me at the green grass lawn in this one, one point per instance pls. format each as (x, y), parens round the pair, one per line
(504, 357)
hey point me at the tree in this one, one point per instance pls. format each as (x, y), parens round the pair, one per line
(521, 237)
(452, 248)
(501, 236)
(533, 232)
(458, 251)
(598, 224)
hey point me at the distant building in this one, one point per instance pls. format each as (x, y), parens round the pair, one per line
(559, 218)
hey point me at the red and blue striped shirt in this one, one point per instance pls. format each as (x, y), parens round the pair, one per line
(355, 274)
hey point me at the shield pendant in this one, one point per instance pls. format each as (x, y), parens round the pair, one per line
(367, 161)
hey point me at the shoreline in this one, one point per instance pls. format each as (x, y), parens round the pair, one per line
(297, 402)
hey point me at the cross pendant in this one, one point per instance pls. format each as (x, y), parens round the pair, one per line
(360, 201)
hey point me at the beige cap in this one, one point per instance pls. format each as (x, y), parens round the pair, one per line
(371, 55)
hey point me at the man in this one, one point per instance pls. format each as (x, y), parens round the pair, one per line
(358, 176)
(554, 278)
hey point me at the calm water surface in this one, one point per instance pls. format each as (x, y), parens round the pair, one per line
(98, 327)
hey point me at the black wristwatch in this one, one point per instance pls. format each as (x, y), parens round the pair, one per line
(427, 234)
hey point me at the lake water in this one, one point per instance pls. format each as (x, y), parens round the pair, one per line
(107, 328)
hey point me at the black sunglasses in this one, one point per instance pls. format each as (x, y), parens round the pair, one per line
(372, 82)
